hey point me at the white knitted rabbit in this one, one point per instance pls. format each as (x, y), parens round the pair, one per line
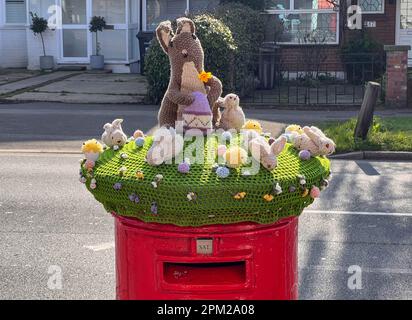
(315, 141)
(261, 150)
(113, 134)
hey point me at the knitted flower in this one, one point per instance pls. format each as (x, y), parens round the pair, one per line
(205, 76)
(140, 175)
(305, 192)
(239, 195)
(191, 196)
(277, 189)
(268, 197)
(154, 208)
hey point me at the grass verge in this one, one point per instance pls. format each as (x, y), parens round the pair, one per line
(387, 134)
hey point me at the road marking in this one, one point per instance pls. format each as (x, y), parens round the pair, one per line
(364, 269)
(101, 246)
(362, 213)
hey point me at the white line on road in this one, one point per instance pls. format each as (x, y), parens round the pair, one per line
(101, 246)
(362, 213)
(365, 269)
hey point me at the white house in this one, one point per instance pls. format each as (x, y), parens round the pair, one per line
(69, 40)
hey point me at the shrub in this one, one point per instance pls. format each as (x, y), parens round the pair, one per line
(248, 33)
(38, 26)
(157, 71)
(254, 4)
(218, 44)
(97, 24)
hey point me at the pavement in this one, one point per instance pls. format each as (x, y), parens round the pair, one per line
(11, 75)
(73, 87)
(52, 228)
(63, 127)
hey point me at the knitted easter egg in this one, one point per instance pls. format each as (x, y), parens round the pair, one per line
(235, 157)
(139, 142)
(183, 167)
(198, 115)
(304, 154)
(315, 192)
(221, 150)
(138, 134)
(222, 172)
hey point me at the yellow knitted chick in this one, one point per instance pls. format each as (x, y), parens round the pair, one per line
(253, 125)
(235, 157)
(92, 149)
(294, 128)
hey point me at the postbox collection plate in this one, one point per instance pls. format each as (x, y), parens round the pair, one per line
(204, 246)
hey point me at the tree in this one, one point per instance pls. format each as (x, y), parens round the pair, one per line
(97, 24)
(38, 26)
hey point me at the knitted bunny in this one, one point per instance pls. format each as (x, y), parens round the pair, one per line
(314, 141)
(261, 150)
(232, 115)
(167, 144)
(186, 63)
(113, 134)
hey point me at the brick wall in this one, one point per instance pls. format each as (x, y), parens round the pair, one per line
(384, 33)
(396, 76)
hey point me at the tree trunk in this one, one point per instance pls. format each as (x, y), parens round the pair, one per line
(42, 41)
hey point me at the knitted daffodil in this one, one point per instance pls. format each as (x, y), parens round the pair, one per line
(205, 76)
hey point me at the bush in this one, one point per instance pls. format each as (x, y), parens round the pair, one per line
(248, 33)
(254, 4)
(38, 25)
(157, 71)
(218, 44)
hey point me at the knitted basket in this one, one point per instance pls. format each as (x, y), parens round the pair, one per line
(213, 200)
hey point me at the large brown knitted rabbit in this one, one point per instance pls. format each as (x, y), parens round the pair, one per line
(186, 62)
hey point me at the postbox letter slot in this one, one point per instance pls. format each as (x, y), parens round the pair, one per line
(222, 273)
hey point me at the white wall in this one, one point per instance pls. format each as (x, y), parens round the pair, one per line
(51, 38)
(35, 49)
(13, 47)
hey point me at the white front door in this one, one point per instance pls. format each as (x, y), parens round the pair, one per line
(74, 32)
(404, 25)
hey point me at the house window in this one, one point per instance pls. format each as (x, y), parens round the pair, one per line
(112, 10)
(160, 10)
(43, 8)
(371, 6)
(16, 11)
(197, 6)
(304, 21)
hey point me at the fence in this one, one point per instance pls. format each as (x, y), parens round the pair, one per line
(309, 79)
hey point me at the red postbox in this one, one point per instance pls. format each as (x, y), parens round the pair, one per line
(238, 261)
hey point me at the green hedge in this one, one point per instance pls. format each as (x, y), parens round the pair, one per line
(248, 32)
(231, 37)
(218, 44)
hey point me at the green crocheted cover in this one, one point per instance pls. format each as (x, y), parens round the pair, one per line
(215, 201)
